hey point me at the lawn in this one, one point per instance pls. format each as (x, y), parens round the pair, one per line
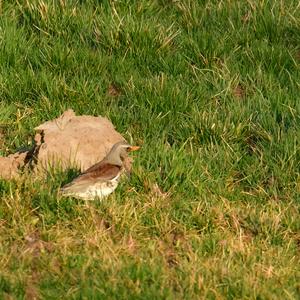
(210, 90)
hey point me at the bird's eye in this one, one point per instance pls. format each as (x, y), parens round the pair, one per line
(128, 149)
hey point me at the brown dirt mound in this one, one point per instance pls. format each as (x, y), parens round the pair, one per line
(68, 141)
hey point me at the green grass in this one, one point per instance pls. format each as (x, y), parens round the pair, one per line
(210, 89)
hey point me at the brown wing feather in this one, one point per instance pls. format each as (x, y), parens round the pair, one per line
(94, 167)
(103, 171)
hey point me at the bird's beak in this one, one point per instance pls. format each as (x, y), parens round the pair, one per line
(133, 148)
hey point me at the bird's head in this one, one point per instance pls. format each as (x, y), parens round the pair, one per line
(119, 152)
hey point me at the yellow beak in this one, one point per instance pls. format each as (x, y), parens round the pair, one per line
(133, 148)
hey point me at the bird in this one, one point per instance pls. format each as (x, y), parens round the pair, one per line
(101, 179)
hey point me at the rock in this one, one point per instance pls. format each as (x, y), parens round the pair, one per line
(71, 140)
(9, 166)
(68, 141)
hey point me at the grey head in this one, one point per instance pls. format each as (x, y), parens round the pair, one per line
(118, 153)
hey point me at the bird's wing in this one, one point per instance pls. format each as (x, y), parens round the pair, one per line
(99, 172)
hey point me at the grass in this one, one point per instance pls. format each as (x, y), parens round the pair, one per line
(210, 90)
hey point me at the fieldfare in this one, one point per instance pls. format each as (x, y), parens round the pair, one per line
(101, 179)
